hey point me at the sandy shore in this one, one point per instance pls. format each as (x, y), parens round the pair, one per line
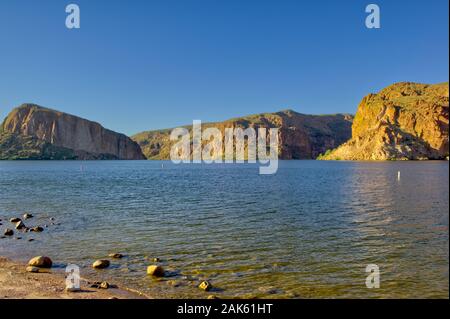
(17, 283)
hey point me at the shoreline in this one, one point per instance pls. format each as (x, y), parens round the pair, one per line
(17, 283)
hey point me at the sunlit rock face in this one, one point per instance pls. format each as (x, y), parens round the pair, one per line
(300, 136)
(405, 121)
(48, 134)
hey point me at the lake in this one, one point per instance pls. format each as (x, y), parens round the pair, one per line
(309, 231)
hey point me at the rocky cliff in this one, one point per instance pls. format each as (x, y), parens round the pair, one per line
(34, 132)
(405, 121)
(300, 136)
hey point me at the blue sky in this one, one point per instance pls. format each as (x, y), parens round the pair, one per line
(140, 65)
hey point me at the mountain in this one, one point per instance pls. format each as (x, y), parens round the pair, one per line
(300, 136)
(34, 132)
(405, 121)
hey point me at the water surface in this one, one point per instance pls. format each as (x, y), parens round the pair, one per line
(308, 231)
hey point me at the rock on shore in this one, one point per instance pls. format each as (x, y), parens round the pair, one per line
(40, 262)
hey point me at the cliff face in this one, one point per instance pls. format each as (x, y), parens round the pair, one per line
(64, 135)
(405, 121)
(300, 136)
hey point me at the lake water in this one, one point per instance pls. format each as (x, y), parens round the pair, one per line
(308, 231)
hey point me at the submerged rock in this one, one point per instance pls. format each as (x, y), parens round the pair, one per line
(37, 229)
(101, 264)
(116, 255)
(155, 270)
(41, 262)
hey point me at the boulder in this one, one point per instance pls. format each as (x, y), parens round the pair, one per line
(155, 270)
(101, 264)
(8, 232)
(37, 229)
(14, 220)
(41, 262)
(27, 216)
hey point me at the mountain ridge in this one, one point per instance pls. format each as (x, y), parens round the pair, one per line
(30, 130)
(304, 135)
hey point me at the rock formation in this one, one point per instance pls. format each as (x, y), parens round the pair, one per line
(300, 136)
(405, 121)
(34, 132)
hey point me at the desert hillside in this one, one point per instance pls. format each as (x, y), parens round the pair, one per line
(405, 121)
(300, 136)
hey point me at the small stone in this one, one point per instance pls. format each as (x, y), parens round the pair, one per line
(37, 229)
(41, 262)
(155, 270)
(32, 269)
(27, 216)
(18, 238)
(52, 218)
(156, 260)
(104, 285)
(8, 232)
(20, 225)
(205, 285)
(116, 255)
(30, 239)
(14, 220)
(101, 264)
(95, 286)
(212, 297)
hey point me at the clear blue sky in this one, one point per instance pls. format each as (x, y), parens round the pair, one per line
(140, 65)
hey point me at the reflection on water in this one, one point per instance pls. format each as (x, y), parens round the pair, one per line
(307, 232)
